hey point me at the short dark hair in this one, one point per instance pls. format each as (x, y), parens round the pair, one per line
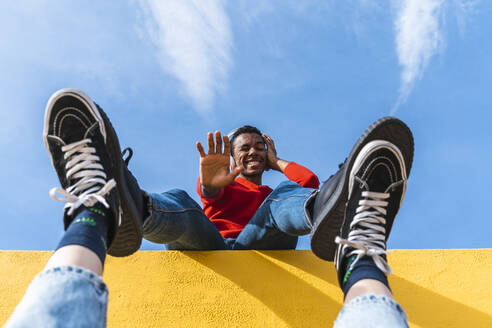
(244, 129)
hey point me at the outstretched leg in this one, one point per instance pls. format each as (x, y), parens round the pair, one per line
(176, 220)
(377, 184)
(70, 291)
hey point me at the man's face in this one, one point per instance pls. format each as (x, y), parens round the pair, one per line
(249, 152)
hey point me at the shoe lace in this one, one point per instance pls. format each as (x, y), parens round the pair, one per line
(84, 164)
(368, 234)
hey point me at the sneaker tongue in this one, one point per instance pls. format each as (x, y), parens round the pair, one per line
(73, 130)
(380, 179)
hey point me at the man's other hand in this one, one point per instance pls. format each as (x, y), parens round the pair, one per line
(274, 162)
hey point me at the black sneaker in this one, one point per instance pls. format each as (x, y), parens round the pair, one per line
(377, 184)
(129, 237)
(86, 155)
(331, 201)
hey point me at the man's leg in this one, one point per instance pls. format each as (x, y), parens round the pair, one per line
(70, 291)
(279, 220)
(377, 184)
(176, 220)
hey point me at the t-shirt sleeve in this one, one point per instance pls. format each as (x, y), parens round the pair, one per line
(208, 200)
(301, 175)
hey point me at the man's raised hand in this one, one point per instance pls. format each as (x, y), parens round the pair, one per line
(214, 166)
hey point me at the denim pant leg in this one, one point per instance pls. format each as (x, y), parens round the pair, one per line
(371, 311)
(279, 220)
(65, 296)
(178, 221)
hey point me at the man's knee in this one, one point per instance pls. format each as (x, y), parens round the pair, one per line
(178, 193)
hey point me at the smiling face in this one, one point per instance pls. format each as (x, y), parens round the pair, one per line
(250, 154)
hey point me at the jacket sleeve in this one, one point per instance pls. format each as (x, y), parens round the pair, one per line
(301, 175)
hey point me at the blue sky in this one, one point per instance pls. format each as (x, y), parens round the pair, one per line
(312, 74)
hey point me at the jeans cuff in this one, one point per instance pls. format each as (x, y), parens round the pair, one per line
(307, 211)
(90, 276)
(366, 300)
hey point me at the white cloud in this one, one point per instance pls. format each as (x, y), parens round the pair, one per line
(194, 39)
(418, 27)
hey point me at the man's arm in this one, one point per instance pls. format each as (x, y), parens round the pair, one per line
(293, 171)
(214, 166)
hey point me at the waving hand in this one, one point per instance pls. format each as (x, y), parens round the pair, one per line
(214, 165)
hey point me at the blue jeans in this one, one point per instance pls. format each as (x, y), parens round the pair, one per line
(74, 297)
(179, 222)
(371, 311)
(62, 297)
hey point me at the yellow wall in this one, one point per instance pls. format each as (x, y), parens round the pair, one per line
(437, 288)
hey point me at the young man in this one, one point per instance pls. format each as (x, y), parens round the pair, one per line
(104, 209)
(238, 212)
(234, 199)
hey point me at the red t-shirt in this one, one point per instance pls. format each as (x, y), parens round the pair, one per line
(237, 202)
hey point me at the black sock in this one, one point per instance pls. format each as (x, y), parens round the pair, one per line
(89, 228)
(364, 268)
